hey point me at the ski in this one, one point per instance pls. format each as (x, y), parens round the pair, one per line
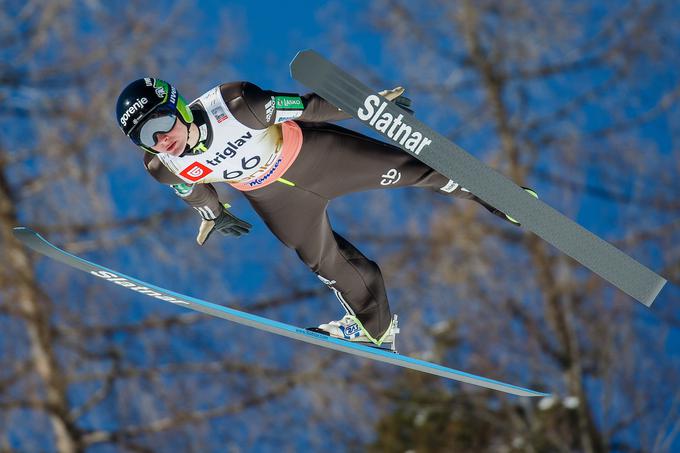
(402, 129)
(36, 242)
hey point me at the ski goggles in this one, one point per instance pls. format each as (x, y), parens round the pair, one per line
(159, 122)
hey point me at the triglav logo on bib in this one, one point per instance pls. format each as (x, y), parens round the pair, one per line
(195, 172)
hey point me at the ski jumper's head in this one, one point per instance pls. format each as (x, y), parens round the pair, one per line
(148, 111)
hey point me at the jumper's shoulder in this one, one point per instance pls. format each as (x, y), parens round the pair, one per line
(242, 89)
(246, 101)
(232, 90)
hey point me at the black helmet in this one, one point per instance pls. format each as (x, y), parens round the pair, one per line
(146, 99)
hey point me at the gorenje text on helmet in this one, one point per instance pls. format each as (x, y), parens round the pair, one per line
(138, 104)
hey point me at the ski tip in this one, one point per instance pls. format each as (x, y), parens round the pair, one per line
(27, 236)
(306, 53)
(22, 231)
(303, 59)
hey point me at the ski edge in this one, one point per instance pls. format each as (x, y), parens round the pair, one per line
(41, 245)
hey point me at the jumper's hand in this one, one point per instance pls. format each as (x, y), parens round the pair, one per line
(392, 94)
(226, 223)
(395, 95)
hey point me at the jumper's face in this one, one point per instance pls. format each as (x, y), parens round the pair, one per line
(172, 142)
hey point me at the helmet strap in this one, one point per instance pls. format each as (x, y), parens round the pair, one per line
(148, 150)
(190, 146)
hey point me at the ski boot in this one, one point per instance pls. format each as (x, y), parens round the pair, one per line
(349, 328)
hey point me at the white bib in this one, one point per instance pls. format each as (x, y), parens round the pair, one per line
(237, 153)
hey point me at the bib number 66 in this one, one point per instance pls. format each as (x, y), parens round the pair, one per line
(246, 164)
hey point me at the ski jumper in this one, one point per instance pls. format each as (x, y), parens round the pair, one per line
(289, 162)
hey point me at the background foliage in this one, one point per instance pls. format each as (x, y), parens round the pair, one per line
(578, 99)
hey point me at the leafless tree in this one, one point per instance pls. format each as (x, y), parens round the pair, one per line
(83, 364)
(577, 99)
(558, 95)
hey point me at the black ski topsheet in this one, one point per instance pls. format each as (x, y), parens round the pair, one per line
(41, 245)
(404, 130)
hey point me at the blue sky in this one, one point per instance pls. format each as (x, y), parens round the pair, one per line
(271, 33)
